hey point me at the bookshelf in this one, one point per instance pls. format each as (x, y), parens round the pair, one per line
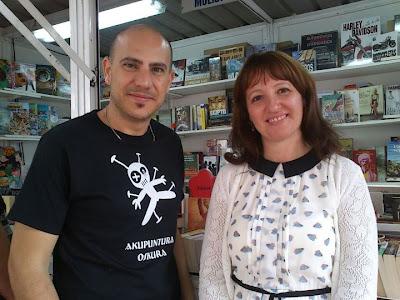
(33, 138)
(13, 94)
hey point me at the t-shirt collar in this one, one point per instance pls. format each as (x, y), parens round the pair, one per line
(290, 168)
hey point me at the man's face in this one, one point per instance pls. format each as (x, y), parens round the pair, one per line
(139, 73)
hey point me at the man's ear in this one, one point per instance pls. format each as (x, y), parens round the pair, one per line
(107, 69)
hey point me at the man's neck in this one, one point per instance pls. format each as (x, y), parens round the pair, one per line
(122, 122)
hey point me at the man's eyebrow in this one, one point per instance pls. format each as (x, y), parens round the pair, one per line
(131, 60)
(159, 64)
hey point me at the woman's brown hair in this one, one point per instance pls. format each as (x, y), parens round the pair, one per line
(246, 142)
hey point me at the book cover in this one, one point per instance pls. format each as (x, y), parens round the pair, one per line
(197, 71)
(5, 74)
(233, 67)
(357, 38)
(164, 117)
(63, 86)
(261, 48)
(200, 188)
(25, 78)
(333, 108)
(393, 161)
(211, 163)
(307, 58)
(326, 45)
(43, 118)
(371, 102)
(45, 79)
(386, 46)
(178, 67)
(381, 163)
(215, 68)
(10, 169)
(237, 55)
(182, 118)
(217, 106)
(4, 118)
(346, 147)
(366, 159)
(19, 118)
(191, 164)
(351, 105)
(33, 119)
(392, 100)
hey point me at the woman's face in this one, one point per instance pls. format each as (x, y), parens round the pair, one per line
(275, 108)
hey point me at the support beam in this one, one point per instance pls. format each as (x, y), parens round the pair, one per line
(84, 40)
(27, 4)
(8, 14)
(258, 11)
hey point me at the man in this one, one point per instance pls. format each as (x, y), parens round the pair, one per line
(5, 288)
(104, 189)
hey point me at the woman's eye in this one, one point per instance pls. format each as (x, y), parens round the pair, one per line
(256, 98)
(283, 91)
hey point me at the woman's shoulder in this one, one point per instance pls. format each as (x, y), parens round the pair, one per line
(343, 164)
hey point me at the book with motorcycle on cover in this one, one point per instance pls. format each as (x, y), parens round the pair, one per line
(386, 46)
(357, 38)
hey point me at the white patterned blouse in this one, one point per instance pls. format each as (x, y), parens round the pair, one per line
(295, 226)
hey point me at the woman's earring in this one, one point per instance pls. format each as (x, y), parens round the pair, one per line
(252, 127)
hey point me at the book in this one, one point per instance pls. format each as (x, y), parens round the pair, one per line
(392, 101)
(371, 102)
(392, 279)
(381, 162)
(214, 64)
(393, 161)
(5, 74)
(19, 118)
(386, 46)
(191, 164)
(356, 38)
(351, 105)
(307, 58)
(366, 159)
(178, 67)
(197, 71)
(4, 118)
(24, 76)
(217, 106)
(63, 87)
(43, 118)
(333, 108)
(182, 118)
(346, 147)
(211, 163)
(200, 188)
(287, 47)
(326, 45)
(261, 48)
(10, 169)
(236, 56)
(33, 119)
(45, 79)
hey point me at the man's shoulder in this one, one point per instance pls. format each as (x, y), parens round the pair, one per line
(160, 130)
(71, 127)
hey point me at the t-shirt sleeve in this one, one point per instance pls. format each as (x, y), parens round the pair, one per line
(43, 201)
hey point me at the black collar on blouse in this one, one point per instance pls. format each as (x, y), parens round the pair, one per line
(290, 168)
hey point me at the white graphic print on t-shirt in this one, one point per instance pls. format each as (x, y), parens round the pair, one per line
(140, 177)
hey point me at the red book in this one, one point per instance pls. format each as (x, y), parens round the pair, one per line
(200, 188)
(366, 159)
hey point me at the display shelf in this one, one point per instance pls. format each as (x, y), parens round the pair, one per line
(205, 131)
(320, 75)
(389, 227)
(19, 137)
(12, 94)
(385, 187)
(371, 123)
(211, 86)
(357, 70)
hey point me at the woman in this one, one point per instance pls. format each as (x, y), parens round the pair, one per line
(288, 217)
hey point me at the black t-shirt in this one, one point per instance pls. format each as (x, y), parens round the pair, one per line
(114, 205)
